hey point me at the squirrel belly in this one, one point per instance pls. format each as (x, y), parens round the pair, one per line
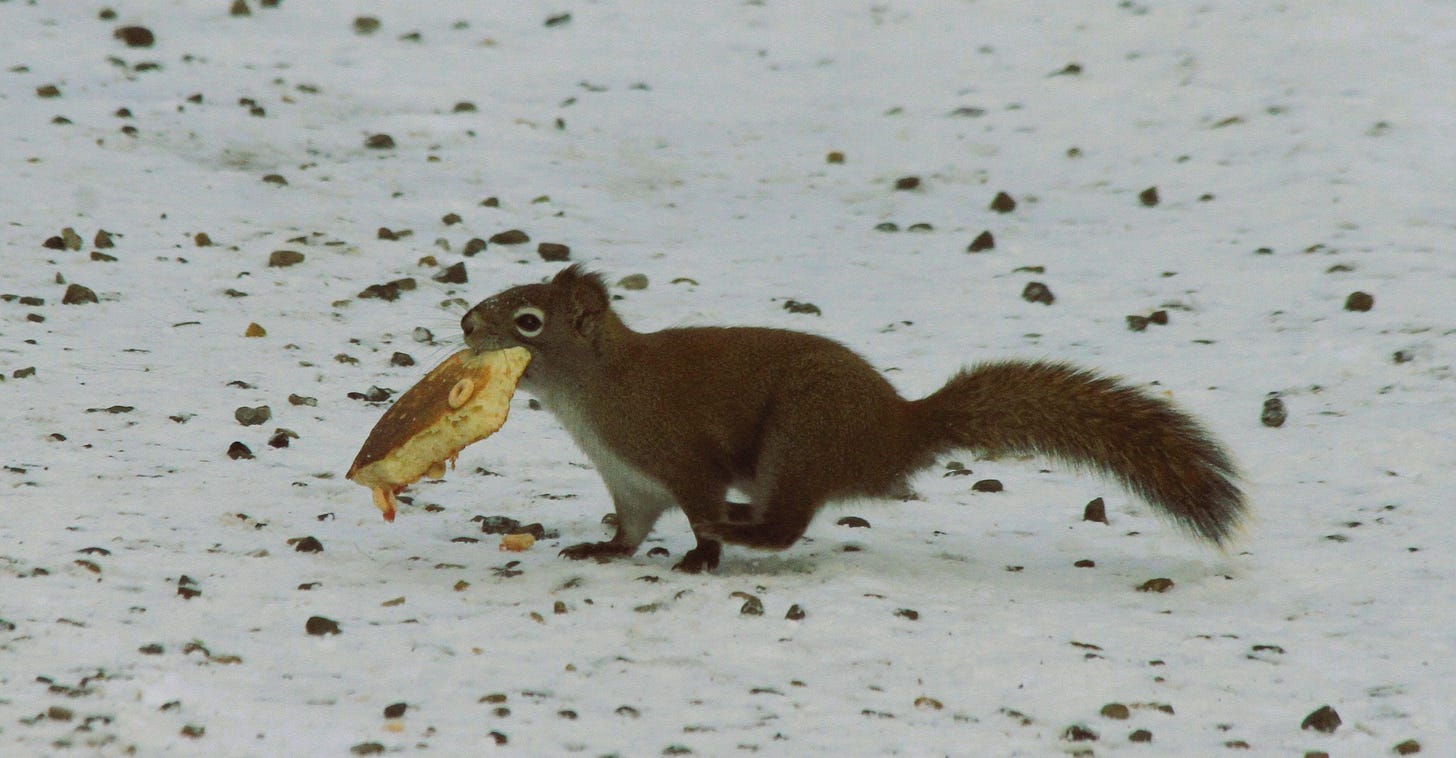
(676, 418)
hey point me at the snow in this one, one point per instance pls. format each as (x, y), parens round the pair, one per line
(692, 145)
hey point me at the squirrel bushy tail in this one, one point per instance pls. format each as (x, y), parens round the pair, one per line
(1154, 450)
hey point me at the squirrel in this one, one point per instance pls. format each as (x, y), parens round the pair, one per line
(794, 420)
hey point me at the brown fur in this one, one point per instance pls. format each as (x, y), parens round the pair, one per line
(680, 416)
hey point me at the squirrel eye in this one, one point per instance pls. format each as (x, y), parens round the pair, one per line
(529, 321)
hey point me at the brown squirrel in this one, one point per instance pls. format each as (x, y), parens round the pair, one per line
(679, 416)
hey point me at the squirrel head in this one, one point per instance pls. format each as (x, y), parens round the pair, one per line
(563, 320)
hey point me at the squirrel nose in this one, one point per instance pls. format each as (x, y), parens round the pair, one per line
(469, 323)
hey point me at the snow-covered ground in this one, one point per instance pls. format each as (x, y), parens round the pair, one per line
(1300, 152)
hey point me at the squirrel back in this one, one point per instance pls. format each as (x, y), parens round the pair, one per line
(676, 418)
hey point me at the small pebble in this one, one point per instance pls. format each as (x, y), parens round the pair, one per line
(1323, 719)
(253, 416)
(835, 157)
(474, 246)
(1003, 203)
(239, 452)
(135, 36)
(509, 237)
(379, 142)
(1359, 302)
(1096, 510)
(454, 274)
(1115, 711)
(78, 295)
(395, 710)
(284, 258)
(983, 242)
(552, 251)
(853, 522)
(906, 183)
(1161, 584)
(319, 626)
(1036, 292)
(1274, 413)
(633, 282)
(1148, 197)
(987, 485)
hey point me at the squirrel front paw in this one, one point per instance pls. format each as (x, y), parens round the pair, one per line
(702, 558)
(602, 551)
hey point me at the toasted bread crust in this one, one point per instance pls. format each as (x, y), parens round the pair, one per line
(459, 402)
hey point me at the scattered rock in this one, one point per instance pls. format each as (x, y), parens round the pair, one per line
(135, 36)
(834, 157)
(752, 606)
(987, 485)
(187, 587)
(48, 91)
(367, 748)
(284, 258)
(240, 8)
(887, 226)
(366, 24)
(908, 614)
(453, 274)
(1036, 292)
(239, 452)
(319, 626)
(983, 242)
(306, 544)
(253, 416)
(1409, 747)
(389, 291)
(464, 106)
(794, 306)
(1140, 735)
(1323, 719)
(282, 438)
(1359, 301)
(633, 282)
(1085, 563)
(103, 240)
(71, 239)
(302, 400)
(379, 142)
(1115, 711)
(853, 522)
(906, 183)
(472, 247)
(1079, 733)
(559, 19)
(1274, 413)
(201, 239)
(275, 179)
(1161, 584)
(1096, 510)
(77, 294)
(1003, 203)
(395, 710)
(1148, 197)
(554, 252)
(795, 613)
(510, 237)
(255, 330)
(402, 360)
(451, 219)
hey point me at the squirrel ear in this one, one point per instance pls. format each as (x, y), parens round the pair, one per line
(586, 298)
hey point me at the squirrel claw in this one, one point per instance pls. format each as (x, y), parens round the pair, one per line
(602, 551)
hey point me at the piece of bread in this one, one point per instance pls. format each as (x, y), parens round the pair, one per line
(461, 401)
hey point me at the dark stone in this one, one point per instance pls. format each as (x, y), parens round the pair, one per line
(135, 36)
(983, 241)
(1323, 719)
(509, 237)
(1036, 292)
(1360, 302)
(78, 295)
(1149, 197)
(1273, 414)
(1003, 203)
(1096, 510)
(554, 252)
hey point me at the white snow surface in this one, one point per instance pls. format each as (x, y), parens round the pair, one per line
(1300, 151)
